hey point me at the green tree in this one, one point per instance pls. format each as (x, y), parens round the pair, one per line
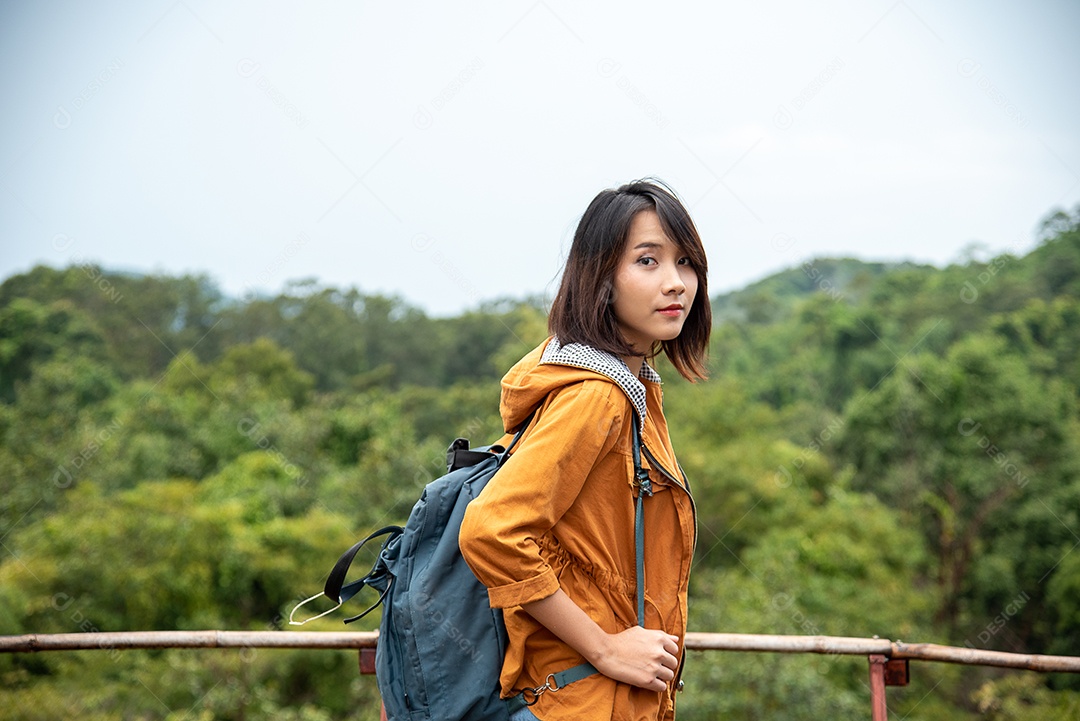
(960, 444)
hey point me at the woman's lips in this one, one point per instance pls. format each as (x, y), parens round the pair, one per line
(672, 311)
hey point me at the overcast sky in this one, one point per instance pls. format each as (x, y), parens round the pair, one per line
(444, 151)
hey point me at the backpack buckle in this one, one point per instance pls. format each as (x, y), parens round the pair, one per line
(530, 696)
(642, 482)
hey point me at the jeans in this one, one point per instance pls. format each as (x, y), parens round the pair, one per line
(524, 714)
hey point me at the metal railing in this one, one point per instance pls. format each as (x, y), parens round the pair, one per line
(888, 659)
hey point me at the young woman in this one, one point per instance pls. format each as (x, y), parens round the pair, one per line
(552, 534)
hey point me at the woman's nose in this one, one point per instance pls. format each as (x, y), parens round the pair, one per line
(673, 282)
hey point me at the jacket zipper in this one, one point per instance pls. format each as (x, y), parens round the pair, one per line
(683, 484)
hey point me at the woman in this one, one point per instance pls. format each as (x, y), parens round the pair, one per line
(552, 534)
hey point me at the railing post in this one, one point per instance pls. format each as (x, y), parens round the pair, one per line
(878, 709)
(367, 666)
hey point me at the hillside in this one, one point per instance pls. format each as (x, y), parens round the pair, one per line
(764, 300)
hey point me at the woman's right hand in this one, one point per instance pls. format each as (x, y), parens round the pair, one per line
(639, 656)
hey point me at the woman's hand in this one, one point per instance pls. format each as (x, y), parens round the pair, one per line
(639, 656)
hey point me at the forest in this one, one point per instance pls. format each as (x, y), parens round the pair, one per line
(881, 448)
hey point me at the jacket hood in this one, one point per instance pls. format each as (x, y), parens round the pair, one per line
(553, 365)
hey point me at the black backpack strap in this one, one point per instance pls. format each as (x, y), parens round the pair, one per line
(339, 592)
(521, 430)
(335, 588)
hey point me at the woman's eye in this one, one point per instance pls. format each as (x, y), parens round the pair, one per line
(646, 260)
(685, 261)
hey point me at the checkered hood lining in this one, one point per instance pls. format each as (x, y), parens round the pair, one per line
(579, 355)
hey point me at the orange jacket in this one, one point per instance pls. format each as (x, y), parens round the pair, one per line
(560, 513)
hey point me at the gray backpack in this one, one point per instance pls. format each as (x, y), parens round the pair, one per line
(441, 645)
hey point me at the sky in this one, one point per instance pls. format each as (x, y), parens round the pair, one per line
(444, 152)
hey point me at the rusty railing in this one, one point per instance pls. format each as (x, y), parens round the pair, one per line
(888, 660)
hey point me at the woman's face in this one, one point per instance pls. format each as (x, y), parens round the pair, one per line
(654, 285)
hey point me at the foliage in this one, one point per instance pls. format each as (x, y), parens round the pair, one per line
(885, 449)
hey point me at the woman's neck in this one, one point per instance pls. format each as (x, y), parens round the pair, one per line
(633, 362)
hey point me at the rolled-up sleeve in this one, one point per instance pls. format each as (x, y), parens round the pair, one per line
(499, 535)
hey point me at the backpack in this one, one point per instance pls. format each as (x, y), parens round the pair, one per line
(441, 645)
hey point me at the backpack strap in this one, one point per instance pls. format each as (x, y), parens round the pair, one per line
(336, 588)
(339, 592)
(644, 488)
(555, 681)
